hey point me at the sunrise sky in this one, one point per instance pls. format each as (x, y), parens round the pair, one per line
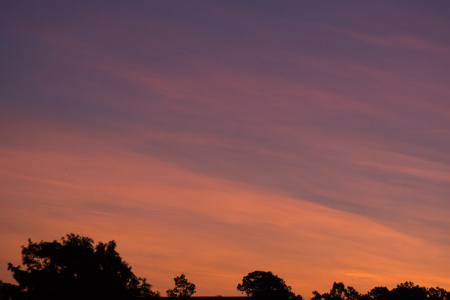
(216, 138)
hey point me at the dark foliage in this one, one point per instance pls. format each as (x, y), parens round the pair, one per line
(409, 291)
(403, 291)
(9, 291)
(378, 293)
(265, 285)
(183, 288)
(74, 268)
(338, 292)
(438, 293)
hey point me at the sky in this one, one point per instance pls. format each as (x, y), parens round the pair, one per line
(216, 138)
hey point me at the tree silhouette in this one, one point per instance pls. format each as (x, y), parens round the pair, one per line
(379, 293)
(403, 291)
(9, 291)
(183, 288)
(438, 294)
(263, 285)
(338, 292)
(74, 268)
(409, 291)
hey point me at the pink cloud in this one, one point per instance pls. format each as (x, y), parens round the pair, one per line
(140, 201)
(250, 155)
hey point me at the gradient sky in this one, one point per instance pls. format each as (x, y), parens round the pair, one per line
(215, 138)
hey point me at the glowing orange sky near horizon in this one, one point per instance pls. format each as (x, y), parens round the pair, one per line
(219, 138)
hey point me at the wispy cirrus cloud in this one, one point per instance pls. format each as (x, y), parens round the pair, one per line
(216, 141)
(397, 40)
(246, 225)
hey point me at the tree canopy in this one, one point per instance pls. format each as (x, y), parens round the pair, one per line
(338, 292)
(9, 291)
(74, 268)
(403, 291)
(263, 285)
(183, 288)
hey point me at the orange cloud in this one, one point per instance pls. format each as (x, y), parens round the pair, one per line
(169, 220)
(219, 152)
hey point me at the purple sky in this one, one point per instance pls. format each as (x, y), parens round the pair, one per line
(215, 138)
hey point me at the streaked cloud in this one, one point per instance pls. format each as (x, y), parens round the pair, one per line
(217, 139)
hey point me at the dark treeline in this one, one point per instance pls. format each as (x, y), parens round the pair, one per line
(406, 291)
(75, 268)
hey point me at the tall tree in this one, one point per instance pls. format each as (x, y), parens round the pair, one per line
(183, 288)
(74, 268)
(263, 285)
